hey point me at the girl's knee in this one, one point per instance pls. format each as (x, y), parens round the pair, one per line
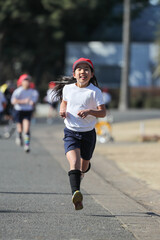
(73, 157)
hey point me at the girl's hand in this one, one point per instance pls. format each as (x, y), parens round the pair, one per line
(83, 113)
(26, 101)
(31, 103)
(63, 114)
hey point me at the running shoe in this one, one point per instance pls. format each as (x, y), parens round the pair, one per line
(77, 199)
(26, 148)
(19, 141)
(6, 135)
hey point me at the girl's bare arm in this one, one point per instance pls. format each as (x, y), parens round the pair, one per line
(20, 101)
(63, 108)
(100, 112)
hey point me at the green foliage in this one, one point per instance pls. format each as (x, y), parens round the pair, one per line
(34, 32)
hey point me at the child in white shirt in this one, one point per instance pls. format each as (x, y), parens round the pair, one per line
(24, 100)
(81, 104)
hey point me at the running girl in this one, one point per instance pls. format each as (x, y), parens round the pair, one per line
(81, 104)
(24, 100)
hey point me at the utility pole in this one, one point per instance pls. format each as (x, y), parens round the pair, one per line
(124, 88)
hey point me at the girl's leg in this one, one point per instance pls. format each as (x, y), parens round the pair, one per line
(50, 115)
(74, 159)
(26, 126)
(50, 112)
(26, 130)
(19, 128)
(85, 165)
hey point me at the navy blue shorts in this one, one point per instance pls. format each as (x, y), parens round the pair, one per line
(85, 141)
(54, 105)
(19, 116)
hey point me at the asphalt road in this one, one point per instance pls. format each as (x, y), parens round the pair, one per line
(35, 197)
(35, 200)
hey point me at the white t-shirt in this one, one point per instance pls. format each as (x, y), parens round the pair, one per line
(2, 100)
(21, 93)
(78, 99)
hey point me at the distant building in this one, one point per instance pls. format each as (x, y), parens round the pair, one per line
(107, 56)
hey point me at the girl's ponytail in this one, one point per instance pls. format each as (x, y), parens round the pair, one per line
(60, 83)
(94, 81)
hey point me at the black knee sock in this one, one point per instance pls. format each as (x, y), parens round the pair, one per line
(74, 177)
(19, 134)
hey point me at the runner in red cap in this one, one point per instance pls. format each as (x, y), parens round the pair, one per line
(81, 104)
(24, 99)
(21, 78)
